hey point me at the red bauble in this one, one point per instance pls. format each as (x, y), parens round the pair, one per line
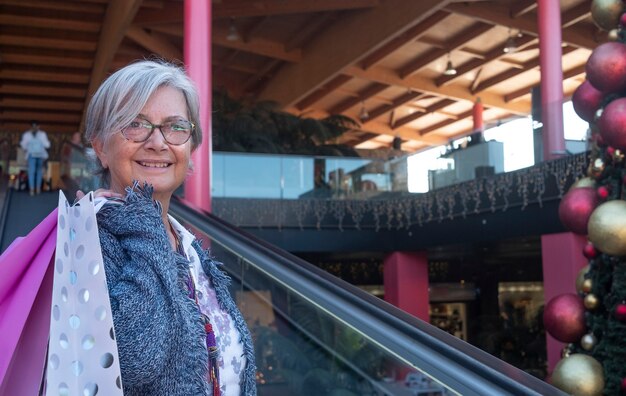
(589, 251)
(586, 101)
(564, 318)
(623, 385)
(606, 67)
(622, 20)
(603, 192)
(576, 207)
(612, 124)
(620, 312)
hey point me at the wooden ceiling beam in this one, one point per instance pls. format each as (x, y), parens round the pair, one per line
(169, 13)
(261, 74)
(329, 87)
(26, 116)
(157, 45)
(175, 29)
(473, 64)
(362, 96)
(445, 123)
(397, 102)
(39, 42)
(380, 128)
(499, 14)
(49, 23)
(41, 60)
(252, 27)
(576, 71)
(117, 19)
(520, 8)
(256, 45)
(457, 41)
(34, 104)
(315, 24)
(56, 5)
(498, 78)
(430, 109)
(243, 8)
(41, 90)
(405, 38)
(576, 14)
(426, 85)
(70, 78)
(344, 44)
(48, 127)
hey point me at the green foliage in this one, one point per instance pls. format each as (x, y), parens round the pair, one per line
(261, 127)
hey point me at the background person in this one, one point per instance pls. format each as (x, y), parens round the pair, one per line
(35, 143)
(178, 329)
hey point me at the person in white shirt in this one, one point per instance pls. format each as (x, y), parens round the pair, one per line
(35, 143)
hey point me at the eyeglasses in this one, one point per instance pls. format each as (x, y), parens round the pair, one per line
(175, 132)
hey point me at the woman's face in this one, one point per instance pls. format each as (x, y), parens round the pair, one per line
(154, 161)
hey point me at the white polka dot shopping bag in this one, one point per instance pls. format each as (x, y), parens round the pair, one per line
(82, 352)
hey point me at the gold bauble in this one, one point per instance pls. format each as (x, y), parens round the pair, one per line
(591, 302)
(613, 35)
(587, 286)
(588, 342)
(579, 375)
(618, 156)
(607, 227)
(583, 182)
(580, 279)
(606, 13)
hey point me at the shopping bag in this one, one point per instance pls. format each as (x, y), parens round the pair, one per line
(25, 296)
(82, 352)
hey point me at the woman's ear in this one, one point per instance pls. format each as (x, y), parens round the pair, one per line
(98, 147)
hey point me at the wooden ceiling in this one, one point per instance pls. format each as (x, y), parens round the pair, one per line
(313, 57)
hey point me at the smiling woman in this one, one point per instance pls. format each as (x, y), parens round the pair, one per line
(177, 328)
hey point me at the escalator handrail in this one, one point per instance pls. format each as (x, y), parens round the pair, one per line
(463, 367)
(4, 215)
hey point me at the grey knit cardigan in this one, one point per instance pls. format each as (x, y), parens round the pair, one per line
(159, 333)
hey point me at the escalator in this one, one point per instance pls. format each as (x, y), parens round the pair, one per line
(317, 335)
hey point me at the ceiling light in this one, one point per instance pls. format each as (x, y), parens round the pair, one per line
(233, 34)
(363, 114)
(450, 70)
(510, 46)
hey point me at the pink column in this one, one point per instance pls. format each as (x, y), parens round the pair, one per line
(406, 282)
(549, 21)
(477, 116)
(562, 260)
(197, 54)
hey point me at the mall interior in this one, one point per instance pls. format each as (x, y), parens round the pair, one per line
(347, 179)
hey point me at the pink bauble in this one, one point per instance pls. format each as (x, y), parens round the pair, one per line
(606, 67)
(586, 101)
(564, 318)
(612, 124)
(576, 208)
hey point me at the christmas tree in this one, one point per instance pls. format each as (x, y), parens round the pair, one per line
(593, 322)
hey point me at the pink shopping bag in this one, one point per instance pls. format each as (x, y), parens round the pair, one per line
(25, 297)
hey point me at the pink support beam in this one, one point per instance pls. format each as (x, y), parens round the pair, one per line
(406, 282)
(477, 116)
(549, 23)
(197, 51)
(562, 261)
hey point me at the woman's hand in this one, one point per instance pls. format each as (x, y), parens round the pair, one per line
(99, 193)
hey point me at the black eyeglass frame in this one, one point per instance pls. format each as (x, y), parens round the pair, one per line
(146, 123)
